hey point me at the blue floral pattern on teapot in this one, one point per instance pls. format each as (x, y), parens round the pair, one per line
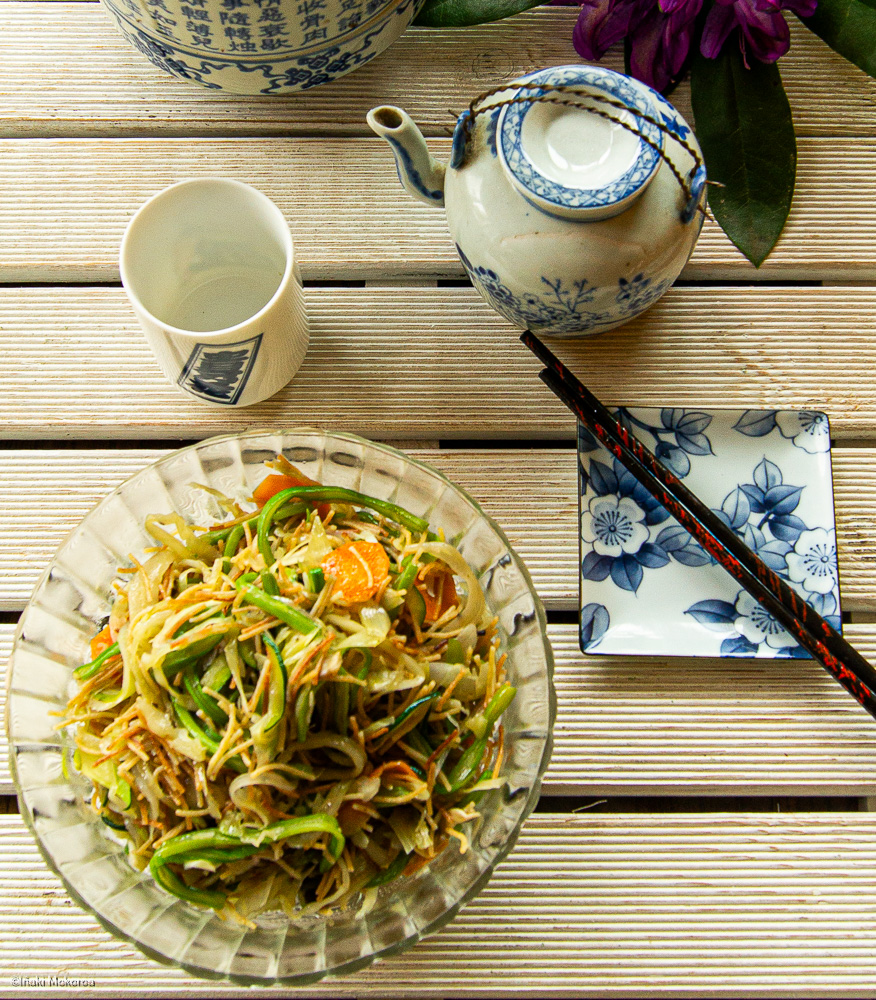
(551, 237)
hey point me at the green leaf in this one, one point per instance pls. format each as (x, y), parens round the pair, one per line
(459, 13)
(848, 27)
(744, 125)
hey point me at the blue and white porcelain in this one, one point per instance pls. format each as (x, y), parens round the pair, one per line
(647, 588)
(567, 171)
(261, 46)
(567, 222)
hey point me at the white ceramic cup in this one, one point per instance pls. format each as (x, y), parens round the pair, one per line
(210, 270)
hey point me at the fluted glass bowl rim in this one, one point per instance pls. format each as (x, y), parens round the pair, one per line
(502, 851)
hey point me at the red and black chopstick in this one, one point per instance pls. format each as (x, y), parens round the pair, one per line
(813, 633)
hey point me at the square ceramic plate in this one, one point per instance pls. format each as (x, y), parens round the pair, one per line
(647, 588)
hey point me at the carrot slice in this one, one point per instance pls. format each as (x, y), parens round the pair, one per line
(359, 569)
(103, 640)
(439, 593)
(273, 484)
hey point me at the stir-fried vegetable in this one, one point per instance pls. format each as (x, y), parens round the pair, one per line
(291, 709)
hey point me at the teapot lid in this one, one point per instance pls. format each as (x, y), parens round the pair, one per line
(569, 161)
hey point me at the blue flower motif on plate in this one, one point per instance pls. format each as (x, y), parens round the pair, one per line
(594, 623)
(806, 429)
(658, 590)
(761, 513)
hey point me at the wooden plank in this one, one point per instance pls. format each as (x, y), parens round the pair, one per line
(428, 363)
(711, 727)
(44, 494)
(65, 203)
(7, 634)
(103, 86)
(643, 726)
(666, 906)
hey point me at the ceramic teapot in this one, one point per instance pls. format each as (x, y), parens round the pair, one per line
(574, 195)
(261, 46)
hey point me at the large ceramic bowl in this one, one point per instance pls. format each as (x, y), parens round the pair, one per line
(73, 597)
(261, 46)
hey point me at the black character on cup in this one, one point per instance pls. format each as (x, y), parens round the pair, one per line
(219, 372)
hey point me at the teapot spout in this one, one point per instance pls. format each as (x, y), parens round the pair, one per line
(420, 173)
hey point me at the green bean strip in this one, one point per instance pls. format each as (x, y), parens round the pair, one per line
(209, 706)
(88, 670)
(303, 710)
(196, 840)
(216, 847)
(502, 698)
(265, 520)
(336, 494)
(176, 849)
(276, 684)
(208, 738)
(220, 855)
(314, 823)
(482, 725)
(467, 764)
(342, 707)
(413, 707)
(231, 543)
(314, 580)
(278, 608)
(221, 534)
(392, 872)
(178, 659)
(172, 883)
(233, 540)
(269, 583)
(407, 575)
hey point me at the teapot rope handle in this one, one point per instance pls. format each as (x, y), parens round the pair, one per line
(691, 186)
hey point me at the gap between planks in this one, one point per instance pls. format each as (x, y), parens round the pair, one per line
(65, 204)
(601, 906)
(44, 494)
(424, 363)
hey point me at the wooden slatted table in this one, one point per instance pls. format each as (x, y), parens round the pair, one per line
(729, 850)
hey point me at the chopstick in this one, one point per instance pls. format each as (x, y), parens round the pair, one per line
(813, 633)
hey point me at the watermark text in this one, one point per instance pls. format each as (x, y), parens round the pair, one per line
(55, 982)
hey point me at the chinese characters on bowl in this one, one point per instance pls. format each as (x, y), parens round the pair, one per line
(261, 46)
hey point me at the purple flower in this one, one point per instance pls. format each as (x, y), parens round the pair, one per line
(763, 31)
(660, 34)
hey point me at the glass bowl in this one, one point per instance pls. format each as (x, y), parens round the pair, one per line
(66, 610)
